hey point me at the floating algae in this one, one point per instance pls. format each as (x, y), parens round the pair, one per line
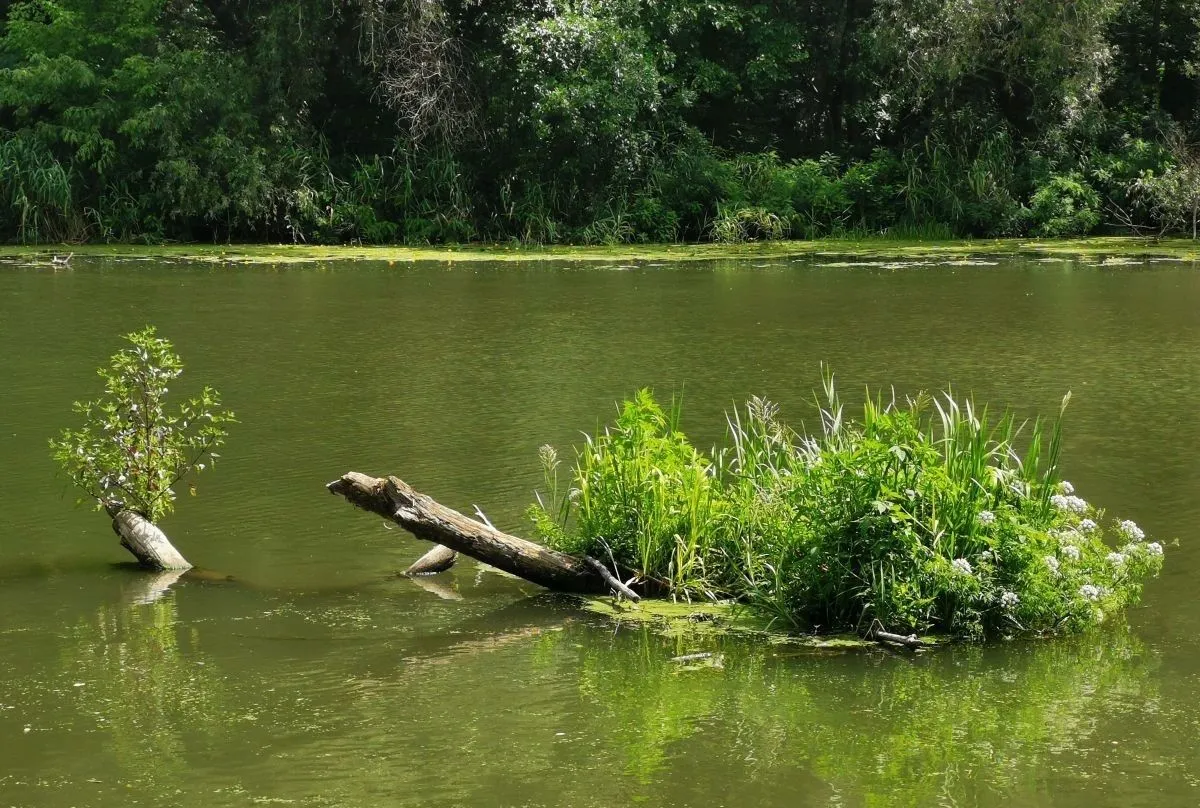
(715, 619)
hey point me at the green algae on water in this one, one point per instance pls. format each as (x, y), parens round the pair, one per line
(718, 619)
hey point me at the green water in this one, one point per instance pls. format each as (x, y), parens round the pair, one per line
(317, 678)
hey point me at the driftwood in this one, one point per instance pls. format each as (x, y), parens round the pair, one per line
(442, 558)
(394, 499)
(149, 545)
(910, 641)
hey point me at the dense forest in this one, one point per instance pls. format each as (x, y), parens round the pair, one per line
(595, 121)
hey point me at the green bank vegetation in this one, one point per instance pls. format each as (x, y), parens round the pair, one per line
(568, 121)
(921, 515)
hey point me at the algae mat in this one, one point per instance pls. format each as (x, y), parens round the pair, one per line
(620, 255)
(711, 619)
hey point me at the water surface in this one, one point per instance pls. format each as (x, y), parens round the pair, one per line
(317, 678)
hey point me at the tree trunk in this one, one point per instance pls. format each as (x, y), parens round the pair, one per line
(394, 499)
(149, 545)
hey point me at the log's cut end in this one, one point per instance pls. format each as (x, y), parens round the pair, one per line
(360, 489)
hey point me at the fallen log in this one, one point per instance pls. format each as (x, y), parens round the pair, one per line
(427, 519)
(149, 545)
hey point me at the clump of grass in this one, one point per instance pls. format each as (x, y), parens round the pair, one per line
(640, 494)
(919, 515)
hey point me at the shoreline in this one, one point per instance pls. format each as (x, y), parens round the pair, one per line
(1096, 247)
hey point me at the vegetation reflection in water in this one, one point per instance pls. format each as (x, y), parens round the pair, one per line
(381, 682)
(976, 716)
(920, 724)
(144, 680)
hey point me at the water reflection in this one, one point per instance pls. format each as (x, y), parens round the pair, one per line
(327, 686)
(878, 728)
(482, 702)
(142, 678)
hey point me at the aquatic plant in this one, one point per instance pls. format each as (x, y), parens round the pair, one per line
(131, 449)
(920, 515)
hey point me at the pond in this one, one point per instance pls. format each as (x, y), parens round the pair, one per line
(316, 677)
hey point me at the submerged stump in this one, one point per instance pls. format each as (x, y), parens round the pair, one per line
(439, 559)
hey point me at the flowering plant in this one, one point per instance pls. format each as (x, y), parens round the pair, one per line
(131, 450)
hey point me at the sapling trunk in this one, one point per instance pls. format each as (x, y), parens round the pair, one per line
(141, 537)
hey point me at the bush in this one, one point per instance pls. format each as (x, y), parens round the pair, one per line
(818, 198)
(1064, 206)
(640, 492)
(919, 516)
(694, 182)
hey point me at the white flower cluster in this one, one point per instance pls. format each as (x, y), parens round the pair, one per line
(1090, 592)
(962, 565)
(1130, 529)
(1069, 502)
(1052, 563)
(1008, 600)
(1116, 559)
(986, 517)
(1071, 552)
(1066, 487)
(1154, 548)
(1087, 525)
(1067, 536)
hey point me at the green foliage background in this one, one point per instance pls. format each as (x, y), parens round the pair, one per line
(431, 121)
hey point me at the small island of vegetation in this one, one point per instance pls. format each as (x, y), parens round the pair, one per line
(919, 516)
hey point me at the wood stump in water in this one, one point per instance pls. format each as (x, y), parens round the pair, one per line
(149, 545)
(439, 559)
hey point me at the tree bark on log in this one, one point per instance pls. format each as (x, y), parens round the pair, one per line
(422, 516)
(149, 545)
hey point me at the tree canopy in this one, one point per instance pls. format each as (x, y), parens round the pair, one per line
(429, 121)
